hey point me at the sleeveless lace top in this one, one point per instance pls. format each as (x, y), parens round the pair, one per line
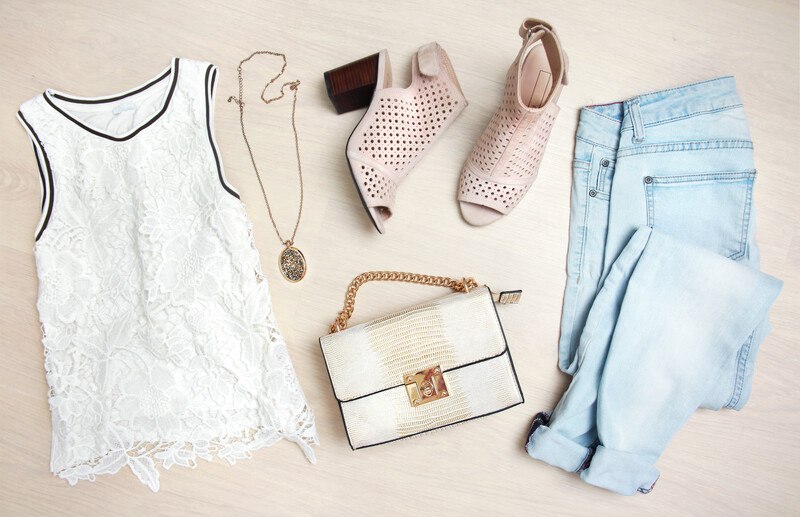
(159, 338)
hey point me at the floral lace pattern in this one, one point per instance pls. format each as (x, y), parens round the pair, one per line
(159, 337)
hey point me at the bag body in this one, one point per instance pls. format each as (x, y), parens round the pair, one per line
(423, 368)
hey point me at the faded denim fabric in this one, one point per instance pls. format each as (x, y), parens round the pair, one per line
(664, 307)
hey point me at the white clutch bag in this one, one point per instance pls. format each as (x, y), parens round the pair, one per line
(423, 368)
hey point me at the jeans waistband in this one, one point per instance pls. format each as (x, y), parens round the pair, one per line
(602, 123)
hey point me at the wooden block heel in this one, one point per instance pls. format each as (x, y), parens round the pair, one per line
(350, 87)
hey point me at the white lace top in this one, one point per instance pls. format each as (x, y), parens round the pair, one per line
(159, 337)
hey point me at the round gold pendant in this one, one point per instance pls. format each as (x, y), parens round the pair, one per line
(292, 264)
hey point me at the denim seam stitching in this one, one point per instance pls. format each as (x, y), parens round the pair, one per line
(646, 95)
(638, 123)
(585, 227)
(734, 143)
(694, 114)
(603, 287)
(703, 176)
(594, 143)
(748, 205)
(744, 353)
(561, 358)
(719, 175)
(602, 195)
(601, 179)
(700, 145)
(601, 176)
(581, 165)
(601, 115)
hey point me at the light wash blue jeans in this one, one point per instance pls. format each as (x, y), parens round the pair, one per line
(664, 307)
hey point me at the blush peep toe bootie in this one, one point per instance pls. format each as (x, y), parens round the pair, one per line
(400, 124)
(505, 161)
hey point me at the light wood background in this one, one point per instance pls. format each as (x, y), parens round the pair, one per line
(720, 462)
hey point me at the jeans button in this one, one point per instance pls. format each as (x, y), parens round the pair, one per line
(605, 163)
(648, 179)
(592, 193)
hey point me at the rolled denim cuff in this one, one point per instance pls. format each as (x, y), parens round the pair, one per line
(556, 449)
(620, 472)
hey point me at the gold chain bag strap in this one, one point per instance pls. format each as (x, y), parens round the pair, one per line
(463, 285)
(422, 368)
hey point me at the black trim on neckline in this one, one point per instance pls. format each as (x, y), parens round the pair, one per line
(212, 72)
(173, 70)
(101, 100)
(49, 193)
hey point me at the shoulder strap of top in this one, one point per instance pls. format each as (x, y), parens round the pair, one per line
(210, 95)
(201, 80)
(29, 115)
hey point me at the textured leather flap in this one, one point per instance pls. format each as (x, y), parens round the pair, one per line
(450, 332)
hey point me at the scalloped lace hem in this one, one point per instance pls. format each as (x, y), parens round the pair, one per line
(143, 457)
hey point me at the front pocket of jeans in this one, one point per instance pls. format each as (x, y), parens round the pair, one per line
(711, 210)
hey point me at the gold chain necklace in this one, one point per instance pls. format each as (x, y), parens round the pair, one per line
(291, 261)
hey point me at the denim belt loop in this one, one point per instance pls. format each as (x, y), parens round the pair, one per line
(636, 119)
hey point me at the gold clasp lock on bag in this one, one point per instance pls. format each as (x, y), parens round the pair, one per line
(425, 386)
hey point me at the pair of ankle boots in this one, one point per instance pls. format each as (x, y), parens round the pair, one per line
(401, 124)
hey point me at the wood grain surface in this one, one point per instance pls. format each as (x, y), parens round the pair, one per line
(745, 463)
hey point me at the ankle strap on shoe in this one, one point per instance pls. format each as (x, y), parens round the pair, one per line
(532, 25)
(428, 59)
(533, 30)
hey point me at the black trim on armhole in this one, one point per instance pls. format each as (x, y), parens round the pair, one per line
(211, 73)
(47, 184)
(42, 180)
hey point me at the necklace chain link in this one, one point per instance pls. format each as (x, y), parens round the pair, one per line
(294, 86)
